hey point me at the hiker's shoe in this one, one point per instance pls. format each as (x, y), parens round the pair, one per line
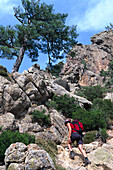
(87, 162)
(72, 155)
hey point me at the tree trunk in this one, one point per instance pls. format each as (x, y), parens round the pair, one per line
(19, 59)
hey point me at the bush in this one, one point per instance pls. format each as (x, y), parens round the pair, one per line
(4, 72)
(56, 69)
(67, 105)
(51, 104)
(92, 119)
(0, 128)
(90, 137)
(9, 137)
(106, 106)
(108, 75)
(103, 134)
(41, 118)
(92, 92)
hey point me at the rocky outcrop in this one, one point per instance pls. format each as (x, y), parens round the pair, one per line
(84, 62)
(20, 156)
(28, 89)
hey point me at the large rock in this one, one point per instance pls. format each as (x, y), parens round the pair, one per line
(56, 131)
(85, 62)
(32, 87)
(32, 157)
(7, 121)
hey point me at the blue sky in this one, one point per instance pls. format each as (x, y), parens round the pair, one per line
(90, 16)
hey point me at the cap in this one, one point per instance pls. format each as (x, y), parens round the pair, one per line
(66, 121)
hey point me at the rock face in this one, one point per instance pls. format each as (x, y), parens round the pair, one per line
(84, 62)
(32, 87)
(20, 156)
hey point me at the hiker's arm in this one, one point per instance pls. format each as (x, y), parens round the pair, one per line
(69, 128)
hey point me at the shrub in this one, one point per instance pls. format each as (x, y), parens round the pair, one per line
(51, 104)
(56, 69)
(92, 119)
(103, 134)
(108, 75)
(4, 72)
(90, 137)
(92, 92)
(0, 128)
(67, 105)
(106, 106)
(9, 137)
(41, 118)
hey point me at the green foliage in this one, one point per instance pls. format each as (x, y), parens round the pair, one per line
(90, 137)
(0, 128)
(92, 119)
(108, 75)
(110, 27)
(67, 105)
(8, 137)
(41, 118)
(84, 63)
(4, 72)
(40, 29)
(51, 104)
(72, 54)
(92, 92)
(56, 69)
(106, 106)
(103, 134)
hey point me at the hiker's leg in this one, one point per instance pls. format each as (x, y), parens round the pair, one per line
(86, 160)
(80, 147)
(69, 146)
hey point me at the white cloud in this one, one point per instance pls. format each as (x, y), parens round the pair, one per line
(6, 6)
(97, 16)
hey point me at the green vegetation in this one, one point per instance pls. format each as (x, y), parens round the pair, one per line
(0, 128)
(40, 29)
(108, 75)
(91, 92)
(41, 118)
(8, 137)
(103, 134)
(98, 116)
(4, 72)
(72, 54)
(109, 27)
(90, 137)
(56, 69)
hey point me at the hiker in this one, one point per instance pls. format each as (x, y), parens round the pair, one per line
(75, 134)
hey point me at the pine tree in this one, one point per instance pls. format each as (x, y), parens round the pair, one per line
(40, 29)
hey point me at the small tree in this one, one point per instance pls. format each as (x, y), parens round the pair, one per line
(110, 27)
(40, 29)
(108, 75)
(56, 69)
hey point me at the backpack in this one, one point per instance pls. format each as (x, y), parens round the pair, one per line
(77, 126)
